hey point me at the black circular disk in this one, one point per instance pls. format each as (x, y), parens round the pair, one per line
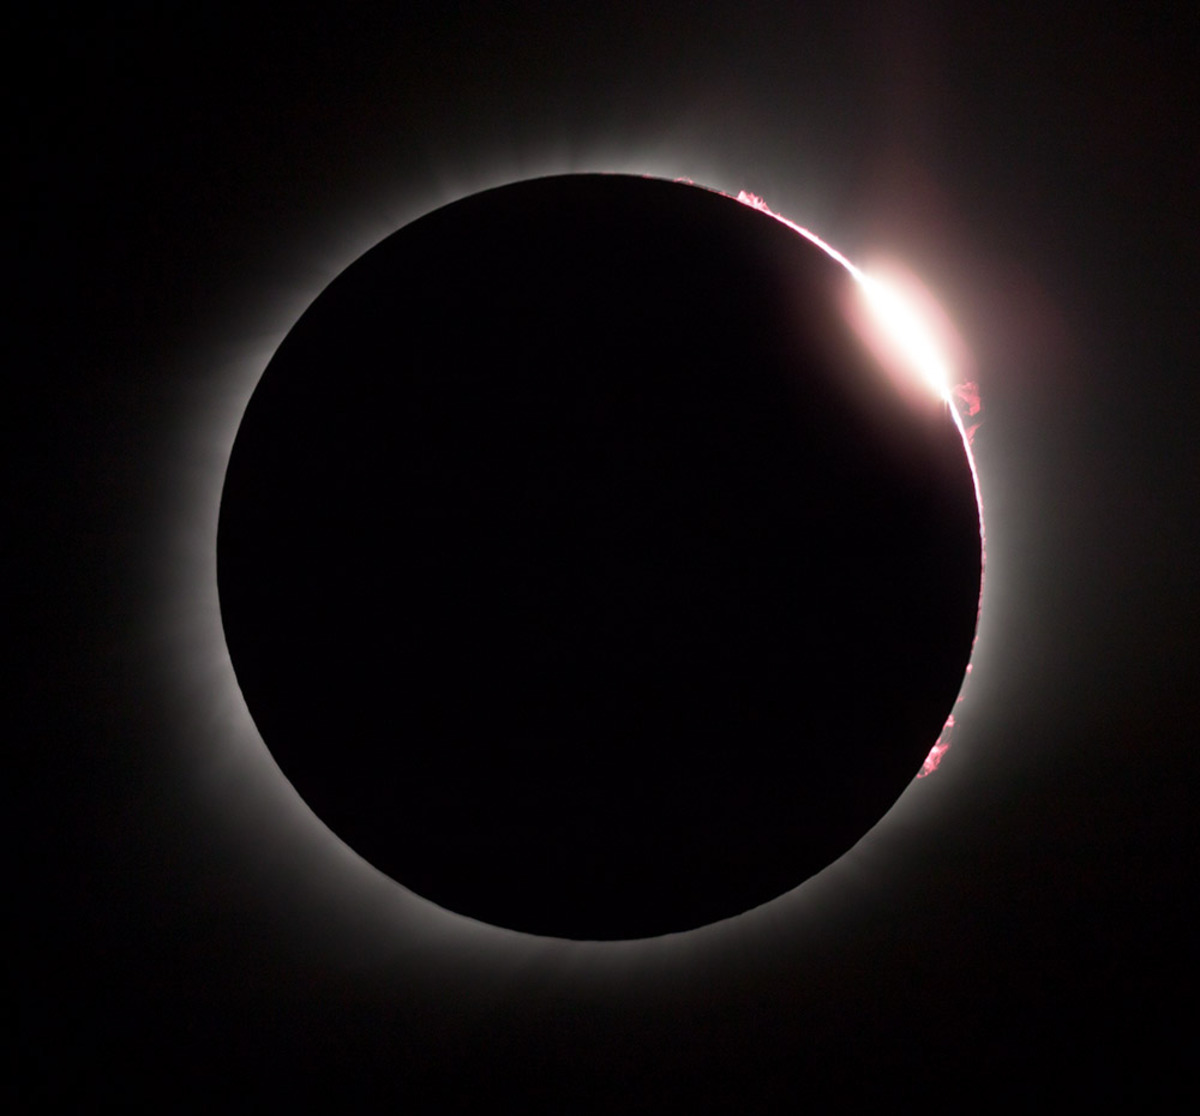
(581, 569)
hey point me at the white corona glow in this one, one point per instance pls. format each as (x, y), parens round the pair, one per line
(234, 773)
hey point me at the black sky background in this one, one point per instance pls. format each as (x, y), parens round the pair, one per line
(1018, 928)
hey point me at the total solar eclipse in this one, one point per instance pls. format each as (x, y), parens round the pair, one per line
(584, 567)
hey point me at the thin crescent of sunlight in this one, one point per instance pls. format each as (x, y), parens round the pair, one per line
(912, 335)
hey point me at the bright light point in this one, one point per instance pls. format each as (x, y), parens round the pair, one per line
(907, 327)
(912, 326)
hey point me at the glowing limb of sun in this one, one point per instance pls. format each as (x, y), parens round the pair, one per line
(912, 335)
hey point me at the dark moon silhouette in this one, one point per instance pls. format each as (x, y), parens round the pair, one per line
(582, 570)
